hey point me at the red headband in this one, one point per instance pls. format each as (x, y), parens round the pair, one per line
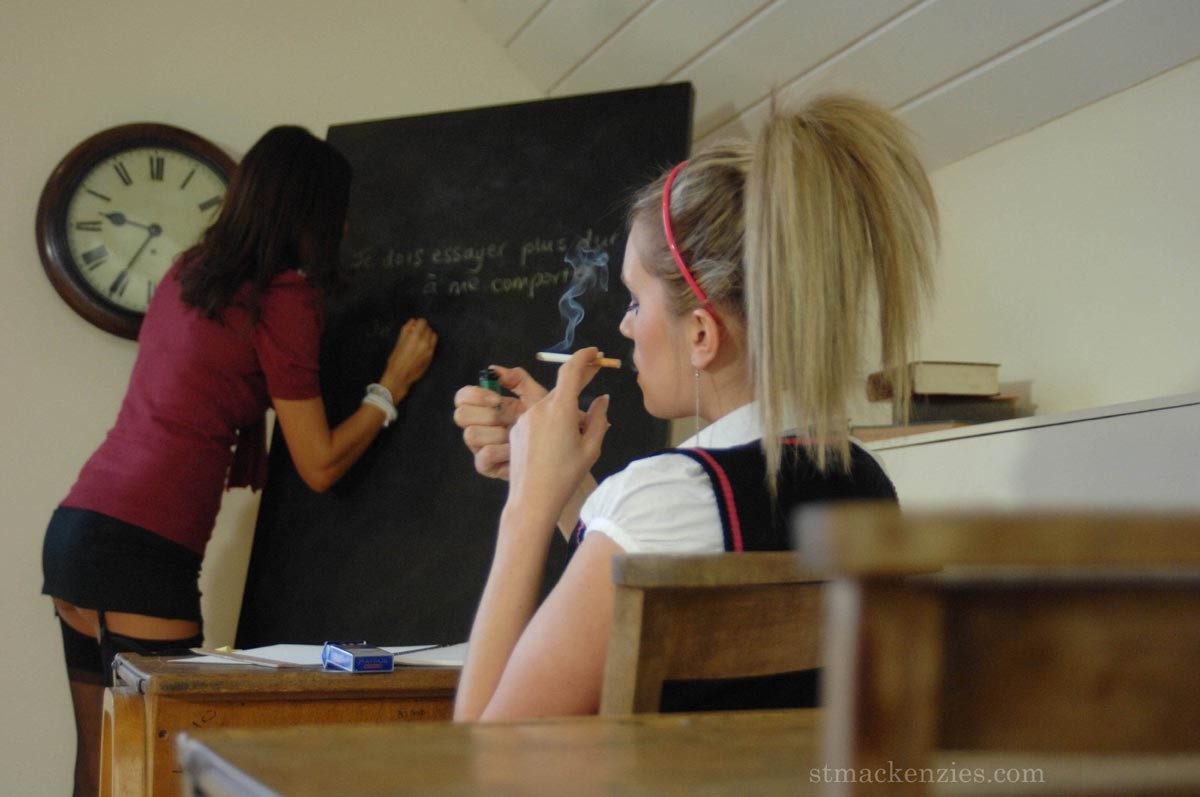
(666, 220)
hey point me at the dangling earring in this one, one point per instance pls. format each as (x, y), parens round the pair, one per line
(696, 371)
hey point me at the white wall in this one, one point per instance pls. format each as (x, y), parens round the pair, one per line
(227, 70)
(1072, 253)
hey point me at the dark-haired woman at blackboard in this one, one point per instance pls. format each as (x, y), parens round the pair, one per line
(753, 272)
(233, 329)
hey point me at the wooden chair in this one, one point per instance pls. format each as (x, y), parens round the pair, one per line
(1061, 633)
(706, 616)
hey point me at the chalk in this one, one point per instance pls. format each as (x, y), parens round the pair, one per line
(556, 357)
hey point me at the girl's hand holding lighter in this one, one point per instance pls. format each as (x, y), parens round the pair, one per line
(485, 418)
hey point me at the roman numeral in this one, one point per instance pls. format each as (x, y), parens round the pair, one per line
(186, 180)
(88, 226)
(156, 167)
(119, 284)
(210, 203)
(98, 194)
(123, 173)
(94, 258)
(150, 286)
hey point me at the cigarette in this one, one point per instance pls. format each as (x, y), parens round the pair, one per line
(555, 357)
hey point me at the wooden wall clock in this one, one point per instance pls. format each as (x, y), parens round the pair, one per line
(116, 212)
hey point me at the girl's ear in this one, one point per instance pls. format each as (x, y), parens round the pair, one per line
(705, 337)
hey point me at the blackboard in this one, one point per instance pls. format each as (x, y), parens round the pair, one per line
(480, 221)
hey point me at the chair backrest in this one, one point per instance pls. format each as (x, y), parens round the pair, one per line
(1040, 631)
(706, 616)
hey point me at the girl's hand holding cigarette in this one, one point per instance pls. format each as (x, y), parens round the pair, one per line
(552, 448)
(485, 418)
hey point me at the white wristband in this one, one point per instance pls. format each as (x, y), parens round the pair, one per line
(377, 389)
(377, 401)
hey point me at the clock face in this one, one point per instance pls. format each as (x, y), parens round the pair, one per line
(131, 214)
(116, 212)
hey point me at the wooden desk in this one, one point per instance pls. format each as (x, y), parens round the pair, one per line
(735, 753)
(759, 753)
(155, 698)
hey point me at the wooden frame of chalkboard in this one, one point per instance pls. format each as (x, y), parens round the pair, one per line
(484, 221)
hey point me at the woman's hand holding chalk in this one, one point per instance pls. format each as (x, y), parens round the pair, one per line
(555, 357)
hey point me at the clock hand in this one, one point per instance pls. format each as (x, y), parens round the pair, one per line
(120, 219)
(118, 285)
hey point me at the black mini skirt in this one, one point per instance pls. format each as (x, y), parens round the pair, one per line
(98, 562)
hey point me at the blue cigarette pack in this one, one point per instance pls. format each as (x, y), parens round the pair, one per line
(355, 657)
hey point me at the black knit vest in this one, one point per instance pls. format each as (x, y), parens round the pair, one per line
(752, 521)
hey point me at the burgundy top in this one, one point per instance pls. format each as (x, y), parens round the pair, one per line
(195, 384)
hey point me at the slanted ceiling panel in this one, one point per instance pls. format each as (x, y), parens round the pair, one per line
(564, 33)
(1111, 48)
(657, 43)
(774, 48)
(964, 74)
(936, 41)
(503, 19)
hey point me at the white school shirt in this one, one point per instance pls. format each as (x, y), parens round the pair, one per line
(665, 503)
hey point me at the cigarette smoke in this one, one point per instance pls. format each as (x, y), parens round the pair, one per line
(589, 269)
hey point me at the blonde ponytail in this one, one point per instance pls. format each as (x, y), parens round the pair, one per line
(838, 210)
(793, 238)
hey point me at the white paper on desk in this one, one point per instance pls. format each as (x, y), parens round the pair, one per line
(286, 654)
(444, 656)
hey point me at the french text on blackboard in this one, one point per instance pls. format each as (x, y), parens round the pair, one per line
(475, 258)
(527, 285)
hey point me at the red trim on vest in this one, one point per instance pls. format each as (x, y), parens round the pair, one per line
(735, 527)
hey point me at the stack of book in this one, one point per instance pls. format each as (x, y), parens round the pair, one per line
(949, 393)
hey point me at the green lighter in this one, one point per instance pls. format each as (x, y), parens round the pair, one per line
(489, 379)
